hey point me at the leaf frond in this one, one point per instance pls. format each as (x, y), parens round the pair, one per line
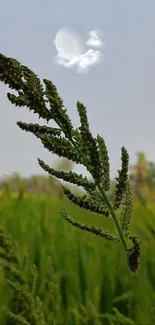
(58, 111)
(60, 146)
(86, 202)
(94, 230)
(121, 179)
(70, 176)
(134, 255)
(104, 159)
(126, 212)
(89, 147)
(36, 128)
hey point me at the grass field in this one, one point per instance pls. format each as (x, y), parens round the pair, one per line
(91, 283)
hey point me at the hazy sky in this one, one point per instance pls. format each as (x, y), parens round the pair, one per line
(119, 94)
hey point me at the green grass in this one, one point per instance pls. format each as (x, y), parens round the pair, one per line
(91, 273)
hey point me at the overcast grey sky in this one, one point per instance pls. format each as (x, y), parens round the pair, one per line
(119, 94)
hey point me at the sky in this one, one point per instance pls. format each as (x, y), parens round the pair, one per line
(119, 93)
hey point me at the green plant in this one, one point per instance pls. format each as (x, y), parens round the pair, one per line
(79, 146)
(28, 307)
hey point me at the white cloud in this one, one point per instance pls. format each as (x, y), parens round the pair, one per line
(82, 62)
(85, 60)
(94, 39)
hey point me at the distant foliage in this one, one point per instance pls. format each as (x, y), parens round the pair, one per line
(52, 273)
(142, 176)
(35, 184)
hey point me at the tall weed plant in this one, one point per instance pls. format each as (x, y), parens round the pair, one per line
(79, 146)
(56, 275)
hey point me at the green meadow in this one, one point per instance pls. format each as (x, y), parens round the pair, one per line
(82, 279)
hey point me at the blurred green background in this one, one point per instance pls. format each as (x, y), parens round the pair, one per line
(94, 285)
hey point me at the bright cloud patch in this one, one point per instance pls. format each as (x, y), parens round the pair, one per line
(72, 51)
(94, 39)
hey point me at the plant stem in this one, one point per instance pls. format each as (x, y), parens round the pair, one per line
(106, 200)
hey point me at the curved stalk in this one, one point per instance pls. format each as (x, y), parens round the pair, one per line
(106, 200)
